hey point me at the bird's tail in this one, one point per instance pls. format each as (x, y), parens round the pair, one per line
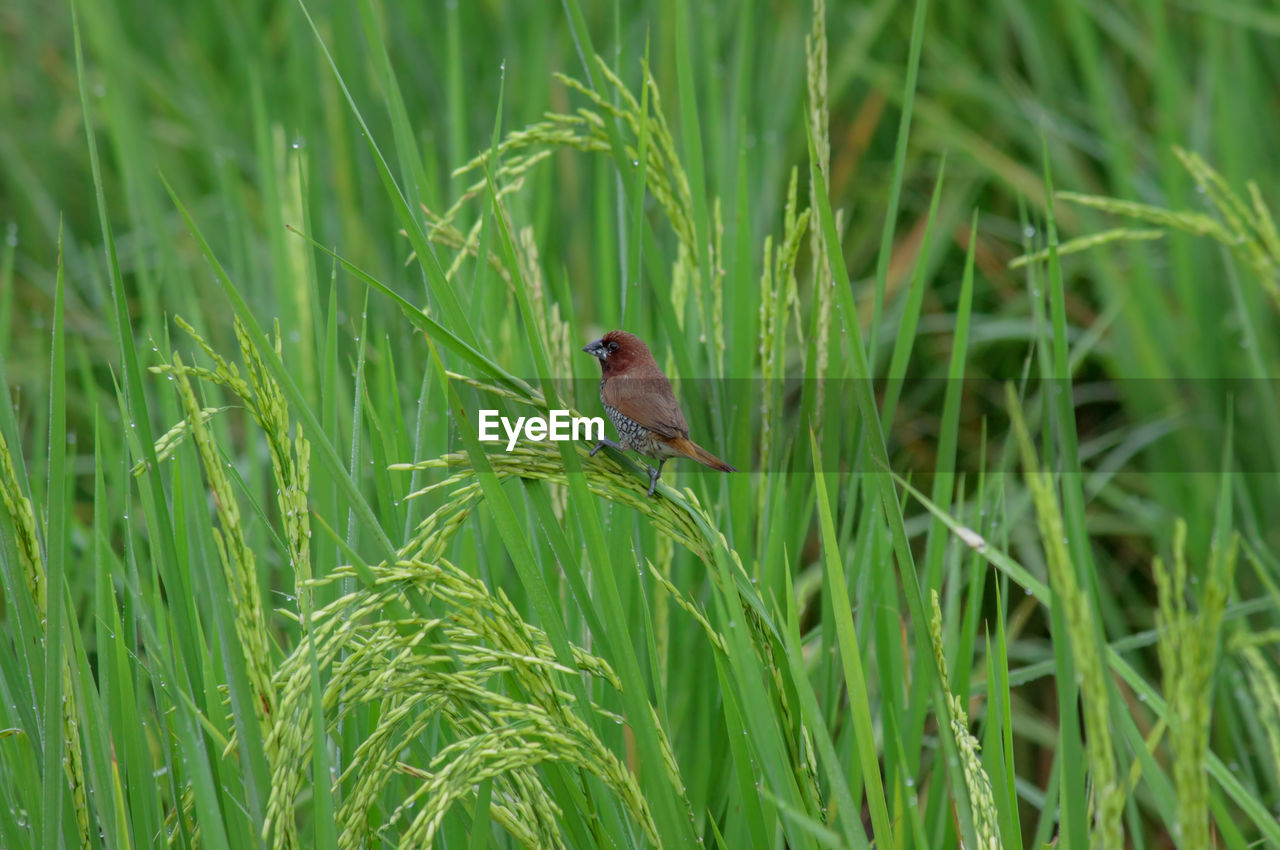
(690, 449)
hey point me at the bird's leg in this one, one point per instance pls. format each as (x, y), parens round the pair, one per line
(600, 445)
(653, 475)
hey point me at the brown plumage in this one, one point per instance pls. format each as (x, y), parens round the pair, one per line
(641, 405)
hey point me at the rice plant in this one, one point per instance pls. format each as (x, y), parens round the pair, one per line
(982, 302)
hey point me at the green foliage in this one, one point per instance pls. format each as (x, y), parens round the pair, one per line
(977, 586)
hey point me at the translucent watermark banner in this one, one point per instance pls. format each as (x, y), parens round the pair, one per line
(1140, 425)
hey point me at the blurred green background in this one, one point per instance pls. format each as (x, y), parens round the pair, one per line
(789, 662)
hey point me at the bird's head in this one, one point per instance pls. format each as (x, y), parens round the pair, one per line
(616, 351)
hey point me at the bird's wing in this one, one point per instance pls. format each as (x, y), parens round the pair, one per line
(647, 400)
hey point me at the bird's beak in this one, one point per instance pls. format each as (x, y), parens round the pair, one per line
(596, 349)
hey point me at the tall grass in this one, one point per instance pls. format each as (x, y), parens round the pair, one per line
(998, 572)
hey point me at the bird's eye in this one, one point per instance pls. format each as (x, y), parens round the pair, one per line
(612, 346)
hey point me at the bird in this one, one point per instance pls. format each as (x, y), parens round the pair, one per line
(644, 411)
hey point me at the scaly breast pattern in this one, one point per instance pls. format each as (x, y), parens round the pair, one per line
(631, 434)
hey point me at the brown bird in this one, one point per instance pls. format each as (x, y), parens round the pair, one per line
(641, 405)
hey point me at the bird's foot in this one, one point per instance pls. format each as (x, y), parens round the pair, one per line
(600, 445)
(653, 475)
(653, 479)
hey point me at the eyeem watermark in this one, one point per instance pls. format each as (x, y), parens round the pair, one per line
(557, 427)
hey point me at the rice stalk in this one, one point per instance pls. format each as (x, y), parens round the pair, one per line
(1109, 790)
(1188, 650)
(982, 803)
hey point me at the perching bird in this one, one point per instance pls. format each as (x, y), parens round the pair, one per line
(641, 405)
